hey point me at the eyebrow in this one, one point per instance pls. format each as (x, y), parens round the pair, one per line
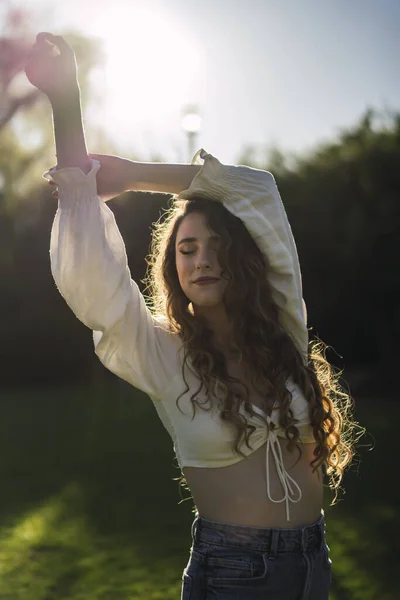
(212, 238)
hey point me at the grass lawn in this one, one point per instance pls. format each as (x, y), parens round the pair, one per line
(89, 511)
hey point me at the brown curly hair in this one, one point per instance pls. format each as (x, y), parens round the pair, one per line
(257, 334)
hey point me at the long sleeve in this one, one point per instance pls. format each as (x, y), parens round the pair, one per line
(89, 266)
(253, 196)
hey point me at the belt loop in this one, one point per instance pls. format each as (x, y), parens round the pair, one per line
(320, 536)
(322, 530)
(194, 527)
(273, 549)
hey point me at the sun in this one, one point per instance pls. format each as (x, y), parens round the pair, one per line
(153, 68)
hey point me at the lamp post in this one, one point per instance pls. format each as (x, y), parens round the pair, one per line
(191, 124)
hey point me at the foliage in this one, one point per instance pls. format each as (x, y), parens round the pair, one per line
(26, 132)
(342, 202)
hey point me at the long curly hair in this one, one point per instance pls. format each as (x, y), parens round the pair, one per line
(258, 336)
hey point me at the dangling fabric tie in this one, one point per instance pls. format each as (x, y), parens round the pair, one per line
(286, 480)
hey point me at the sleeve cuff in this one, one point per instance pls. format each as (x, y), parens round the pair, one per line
(72, 175)
(226, 183)
(209, 181)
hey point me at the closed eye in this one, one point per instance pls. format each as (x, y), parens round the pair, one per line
(192, 251)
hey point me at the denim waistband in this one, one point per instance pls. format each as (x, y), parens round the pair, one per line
(266, 539)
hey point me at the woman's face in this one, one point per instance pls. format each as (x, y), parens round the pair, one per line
(196, 249)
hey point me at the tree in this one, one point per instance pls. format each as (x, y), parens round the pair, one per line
(343, 204)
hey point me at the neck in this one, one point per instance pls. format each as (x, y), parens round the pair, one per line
(217, 320)
(222, 336)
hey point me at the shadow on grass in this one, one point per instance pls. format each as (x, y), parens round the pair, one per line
(55, 551)
(90, 503)
(89, 509)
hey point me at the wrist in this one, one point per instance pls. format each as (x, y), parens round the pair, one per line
(66, 99)
(130, 176)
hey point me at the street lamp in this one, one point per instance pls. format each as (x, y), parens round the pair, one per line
(191, 124)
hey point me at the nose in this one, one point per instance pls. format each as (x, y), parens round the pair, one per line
(204, 259)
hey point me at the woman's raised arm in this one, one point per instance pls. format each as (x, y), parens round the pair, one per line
(52, 69)
(88, 257)
(118, 175)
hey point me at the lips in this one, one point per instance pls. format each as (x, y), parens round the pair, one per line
(205, 280)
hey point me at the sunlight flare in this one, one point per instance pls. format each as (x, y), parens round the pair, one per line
(152, 69)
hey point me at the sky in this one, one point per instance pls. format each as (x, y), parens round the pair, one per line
(261, 73)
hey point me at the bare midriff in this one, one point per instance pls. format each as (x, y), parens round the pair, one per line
(238, 494)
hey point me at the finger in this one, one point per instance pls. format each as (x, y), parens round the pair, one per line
(44, 44)
(55, 194)
(58, 40)
(41, 37)
(44, 39)
(51, 182)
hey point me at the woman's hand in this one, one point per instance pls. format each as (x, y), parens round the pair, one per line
(51, 67)
(113, 178)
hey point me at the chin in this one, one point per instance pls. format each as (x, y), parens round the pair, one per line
(207, 305)
(209, 302)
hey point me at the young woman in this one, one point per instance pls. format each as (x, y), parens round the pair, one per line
(222, 348)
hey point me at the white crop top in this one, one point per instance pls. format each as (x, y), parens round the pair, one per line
(89, 265)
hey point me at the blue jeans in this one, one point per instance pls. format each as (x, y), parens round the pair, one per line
(231, 562)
